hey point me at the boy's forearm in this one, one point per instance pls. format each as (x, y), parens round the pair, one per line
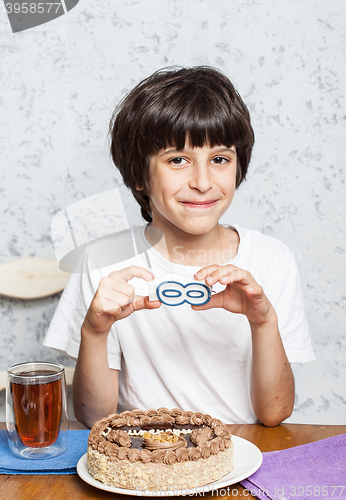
(95, 388)
(272, 381)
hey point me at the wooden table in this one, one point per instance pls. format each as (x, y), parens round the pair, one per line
(71, 487)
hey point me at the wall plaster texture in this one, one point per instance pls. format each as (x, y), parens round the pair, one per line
(60, 81)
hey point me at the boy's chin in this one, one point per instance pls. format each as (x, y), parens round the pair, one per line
(198, 229)
(197, 226)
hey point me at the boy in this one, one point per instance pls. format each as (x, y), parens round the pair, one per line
(182, 140)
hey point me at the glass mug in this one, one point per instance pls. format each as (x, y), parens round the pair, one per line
(36, 409)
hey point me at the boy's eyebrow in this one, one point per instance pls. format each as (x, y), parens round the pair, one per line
(229, 150)
(220, 149)
(166, 151)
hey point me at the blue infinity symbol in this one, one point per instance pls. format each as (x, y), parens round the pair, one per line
(173, 293)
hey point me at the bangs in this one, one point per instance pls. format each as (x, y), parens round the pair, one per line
(198, 116)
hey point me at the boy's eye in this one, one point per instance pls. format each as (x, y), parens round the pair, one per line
(178, 160)
(219, 160)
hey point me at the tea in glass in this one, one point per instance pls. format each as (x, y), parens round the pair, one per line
(36, 410)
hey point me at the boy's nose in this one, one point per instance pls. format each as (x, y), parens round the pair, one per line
(201, 178)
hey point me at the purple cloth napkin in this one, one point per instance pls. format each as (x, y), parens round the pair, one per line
(311, 471)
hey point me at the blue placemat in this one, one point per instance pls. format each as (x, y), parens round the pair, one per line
(63, 464)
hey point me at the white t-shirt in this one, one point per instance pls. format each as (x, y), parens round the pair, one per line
(178, 357)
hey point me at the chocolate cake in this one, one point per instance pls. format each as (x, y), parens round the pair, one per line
(159, 450)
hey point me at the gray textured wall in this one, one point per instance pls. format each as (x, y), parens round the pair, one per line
(60, 81)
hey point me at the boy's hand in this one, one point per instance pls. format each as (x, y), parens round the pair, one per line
(242, 295)
(115, 299)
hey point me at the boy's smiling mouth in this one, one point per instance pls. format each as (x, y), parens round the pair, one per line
(199, 203)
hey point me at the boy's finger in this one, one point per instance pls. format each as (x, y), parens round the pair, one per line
(116, 285)
(109, 306)
(256, 291)
(206, 271)
(213, 273)
(113, 300)
(240, 276)
(144, 303)
(128, 273)
(220, 274)
(216, 301)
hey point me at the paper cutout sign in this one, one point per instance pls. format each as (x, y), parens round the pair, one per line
(173, 293)
(24, 14)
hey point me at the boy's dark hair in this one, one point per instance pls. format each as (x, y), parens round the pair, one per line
(169, 108)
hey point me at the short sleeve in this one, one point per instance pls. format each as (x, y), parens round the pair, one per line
(64, 332)
(285, 294)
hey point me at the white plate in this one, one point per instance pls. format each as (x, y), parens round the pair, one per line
(247, 459)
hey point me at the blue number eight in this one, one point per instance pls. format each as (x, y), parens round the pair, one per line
(173, 293)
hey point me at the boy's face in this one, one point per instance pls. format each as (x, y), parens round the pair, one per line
(192, 188)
